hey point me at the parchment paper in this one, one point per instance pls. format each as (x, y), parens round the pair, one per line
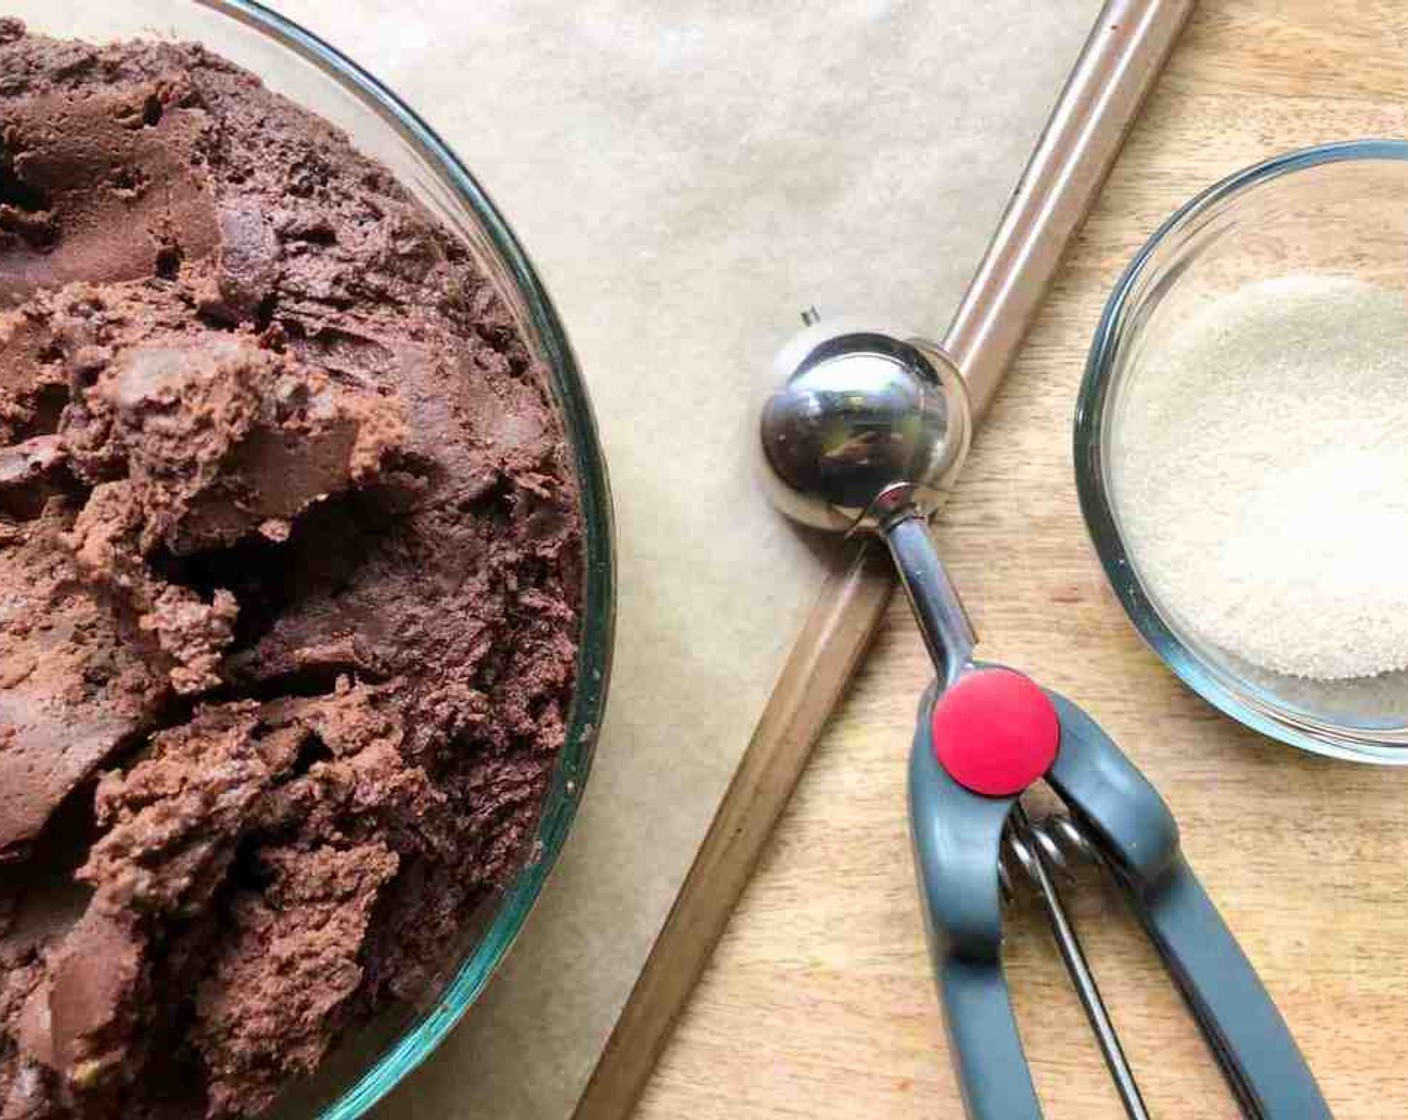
(687, 176)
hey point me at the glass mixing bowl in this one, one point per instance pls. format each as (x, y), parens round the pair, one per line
(291, 61)
(1340, 210)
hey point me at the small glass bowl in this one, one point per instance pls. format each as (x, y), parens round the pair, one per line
(1338, 210)
(291, 61)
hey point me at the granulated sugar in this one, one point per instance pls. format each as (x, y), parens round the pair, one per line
(1260, 475)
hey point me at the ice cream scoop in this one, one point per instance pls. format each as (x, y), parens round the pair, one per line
(867, 432)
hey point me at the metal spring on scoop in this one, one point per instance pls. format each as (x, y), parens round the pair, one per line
(1061, 842)
(1042, 851)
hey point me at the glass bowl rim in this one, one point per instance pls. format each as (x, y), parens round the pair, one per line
(597, 627)
(1095, 503)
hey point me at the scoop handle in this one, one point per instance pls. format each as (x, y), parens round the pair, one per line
(943, 622)
(982, 1035)
(957, 839)
(1247, 1033)
(1139, 837)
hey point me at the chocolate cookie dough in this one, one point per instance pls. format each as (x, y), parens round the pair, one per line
(289, 553)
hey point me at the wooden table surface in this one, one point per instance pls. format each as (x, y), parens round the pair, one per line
(819, 1002)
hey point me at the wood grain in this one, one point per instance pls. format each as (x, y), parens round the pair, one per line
(819, 1001)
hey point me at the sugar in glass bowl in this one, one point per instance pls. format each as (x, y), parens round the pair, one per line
(1333, 215)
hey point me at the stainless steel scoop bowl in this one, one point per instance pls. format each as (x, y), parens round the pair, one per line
(868, 432)
(865, 424)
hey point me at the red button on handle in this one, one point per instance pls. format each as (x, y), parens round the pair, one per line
(995, 732)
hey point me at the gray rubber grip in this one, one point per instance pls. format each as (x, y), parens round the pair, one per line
(1253, 1043)
(957, 840)
(982, 1035)
(1247, 1034)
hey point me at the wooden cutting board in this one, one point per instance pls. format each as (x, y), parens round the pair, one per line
(820, 1002)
